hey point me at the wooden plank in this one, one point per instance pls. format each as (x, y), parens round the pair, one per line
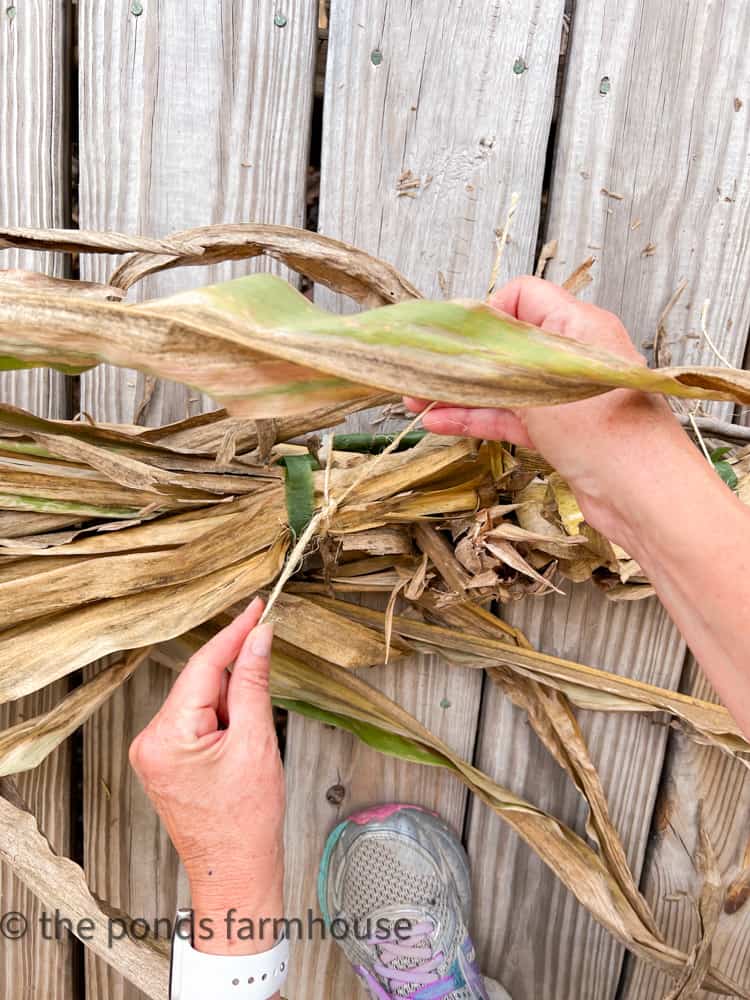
(695, 776)
(35, 965)
(535, 950)
(34, 191)
(190, 115)
(430, 89)
(644, 118)
(34, 155)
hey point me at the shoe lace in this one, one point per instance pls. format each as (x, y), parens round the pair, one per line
(417, 948)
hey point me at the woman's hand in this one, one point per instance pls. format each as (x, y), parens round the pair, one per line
(584, 441)
(640, 481)
(210, 763)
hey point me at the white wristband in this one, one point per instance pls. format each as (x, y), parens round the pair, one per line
(196, 975)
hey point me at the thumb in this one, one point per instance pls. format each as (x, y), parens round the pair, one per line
(249, 697)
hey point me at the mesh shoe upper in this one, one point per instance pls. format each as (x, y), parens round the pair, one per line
(401, 864)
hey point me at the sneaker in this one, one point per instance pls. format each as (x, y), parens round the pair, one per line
(395, 892)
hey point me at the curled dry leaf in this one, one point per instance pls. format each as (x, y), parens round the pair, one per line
(60, 885)
(88, 241)
(340, 266)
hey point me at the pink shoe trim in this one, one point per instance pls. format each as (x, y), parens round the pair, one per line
(384, 811)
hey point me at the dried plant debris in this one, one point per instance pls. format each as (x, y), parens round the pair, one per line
(597, 876)
(126, 538)
(168, 538)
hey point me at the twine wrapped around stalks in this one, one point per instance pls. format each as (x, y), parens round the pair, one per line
(126, 538)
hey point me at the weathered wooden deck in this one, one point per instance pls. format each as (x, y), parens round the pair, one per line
(623, 127)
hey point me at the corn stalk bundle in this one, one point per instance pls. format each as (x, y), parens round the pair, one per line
(121, 538)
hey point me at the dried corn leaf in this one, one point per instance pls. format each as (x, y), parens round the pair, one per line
(554, 722)
(373, 564)
(25, 745)
(20, 524)
(629, 592)
(326, 634)
(388, 540)
(690, 983)
(552, 718)
(38, 281)
(340, 266)
(204, 433)
(60, 885)
(87, 241)
(417, 582)
(586, 686)
(510, 556)
(30, 653)
(567, 505)
(100, 539)
(264, 350)
(515, 533)
(441, 554)
(405, 509)
(120, 574)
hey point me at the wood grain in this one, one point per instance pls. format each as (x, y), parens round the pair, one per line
(695, 775)
(537, 950)
(34, 155)
(189, 118)
(648, 114)
(421, 98)
(34, 191)
(190, 115)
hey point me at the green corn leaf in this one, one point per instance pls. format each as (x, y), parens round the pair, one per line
(727, 473)
(300, 491)
(373, 736)
(373, 444)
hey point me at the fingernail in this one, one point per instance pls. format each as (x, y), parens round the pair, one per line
(254, 603)
(261, 639)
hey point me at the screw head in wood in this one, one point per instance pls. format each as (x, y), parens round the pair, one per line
(336, 794)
